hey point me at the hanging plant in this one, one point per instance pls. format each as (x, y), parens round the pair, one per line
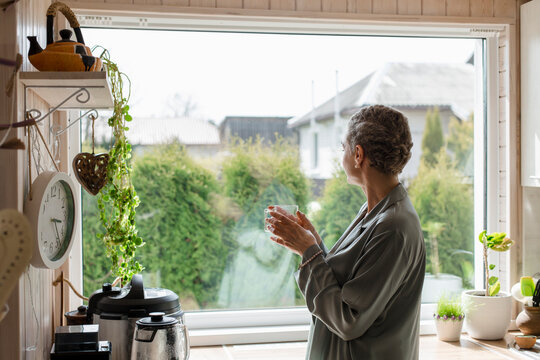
(117, 200)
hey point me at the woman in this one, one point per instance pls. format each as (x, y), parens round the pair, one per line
(364, 294)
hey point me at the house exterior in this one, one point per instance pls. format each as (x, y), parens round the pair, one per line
(246, 127)
(412, 88)
(200, 137)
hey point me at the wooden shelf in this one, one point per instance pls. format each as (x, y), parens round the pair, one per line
(55, 87)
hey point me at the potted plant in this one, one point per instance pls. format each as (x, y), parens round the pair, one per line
(449, 318)
(489, 310)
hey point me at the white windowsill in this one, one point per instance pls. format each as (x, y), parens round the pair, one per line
(273, 334)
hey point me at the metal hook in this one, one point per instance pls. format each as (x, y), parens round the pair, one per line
(92, 114)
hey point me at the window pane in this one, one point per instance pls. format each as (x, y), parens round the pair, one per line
(225, 124)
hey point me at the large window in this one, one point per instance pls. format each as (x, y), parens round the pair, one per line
(225, 124)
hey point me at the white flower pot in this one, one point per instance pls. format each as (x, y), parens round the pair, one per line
(487, 317)
(448, 330)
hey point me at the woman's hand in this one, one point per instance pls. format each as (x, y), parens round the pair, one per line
(289, 232)
(306, 224)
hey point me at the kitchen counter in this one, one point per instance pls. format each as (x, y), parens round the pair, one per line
(430, 348)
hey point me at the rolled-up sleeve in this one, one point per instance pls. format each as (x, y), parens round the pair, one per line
(349, 309)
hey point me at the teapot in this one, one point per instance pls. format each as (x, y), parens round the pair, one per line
(160, 337)
(65, 54)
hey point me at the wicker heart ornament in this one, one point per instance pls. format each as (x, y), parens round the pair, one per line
(91, 171)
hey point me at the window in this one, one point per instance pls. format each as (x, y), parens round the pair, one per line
(233, 111)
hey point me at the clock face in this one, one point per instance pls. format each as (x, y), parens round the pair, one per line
(56, 219)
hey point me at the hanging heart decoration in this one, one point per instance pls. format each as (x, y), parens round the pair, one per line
(91, 171)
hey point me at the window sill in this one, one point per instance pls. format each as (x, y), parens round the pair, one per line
(265, 334)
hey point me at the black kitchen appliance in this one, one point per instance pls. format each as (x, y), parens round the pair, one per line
(117, 310)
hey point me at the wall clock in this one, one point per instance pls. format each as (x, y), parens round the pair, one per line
(52, 213)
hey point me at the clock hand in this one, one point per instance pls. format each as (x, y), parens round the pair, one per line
(56, 229)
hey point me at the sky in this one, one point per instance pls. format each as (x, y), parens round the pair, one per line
(233, 74)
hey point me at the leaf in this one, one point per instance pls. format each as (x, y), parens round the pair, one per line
(494, 289)
(491, 266)
(493, 280)
(128, 117)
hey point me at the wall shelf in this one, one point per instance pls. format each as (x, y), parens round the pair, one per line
(55, 87)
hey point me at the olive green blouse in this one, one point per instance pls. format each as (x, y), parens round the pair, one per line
(364, 294)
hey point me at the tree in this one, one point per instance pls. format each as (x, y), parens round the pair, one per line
(460, 142)
(340, 204)
(440, 196)
(432, 140)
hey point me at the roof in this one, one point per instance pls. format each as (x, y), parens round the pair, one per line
(252, 126)
(152, 131)
(405, 85)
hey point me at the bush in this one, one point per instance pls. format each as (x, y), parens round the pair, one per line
(440, 195)
(259, 272)
(340, 204)
(179, 224)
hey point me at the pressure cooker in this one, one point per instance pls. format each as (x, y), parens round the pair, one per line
(117, 310)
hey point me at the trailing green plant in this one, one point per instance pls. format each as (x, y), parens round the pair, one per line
(495, 241)
(117, 200)
(449, 308)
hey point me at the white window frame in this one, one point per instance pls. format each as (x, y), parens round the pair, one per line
(292, 324)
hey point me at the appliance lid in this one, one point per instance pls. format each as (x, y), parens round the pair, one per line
(135, 301)
(157, 320)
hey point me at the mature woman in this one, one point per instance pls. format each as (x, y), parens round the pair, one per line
(364, 294)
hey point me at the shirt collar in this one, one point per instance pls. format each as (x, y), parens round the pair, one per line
(396, 194)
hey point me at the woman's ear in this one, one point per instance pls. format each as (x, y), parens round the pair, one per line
(359, 156)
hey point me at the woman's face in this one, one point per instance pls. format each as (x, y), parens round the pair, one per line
(348, 161)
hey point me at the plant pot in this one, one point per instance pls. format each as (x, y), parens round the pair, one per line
(487, 317)
(449, 330)
(528, 321)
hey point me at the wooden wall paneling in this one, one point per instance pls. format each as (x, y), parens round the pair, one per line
(385, 7)
(165, 2)
(234, 4)
(309, 5)
(481, 8)
(334, 5)
(119, 1)
(202, 3)
(283, 5)
(257, 4)
(458, 8)
(504, 8)
(409, 7)
(162, 2)
(364, 6)
(434, 7)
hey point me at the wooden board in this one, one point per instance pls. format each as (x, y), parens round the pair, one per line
(458, 8)
(434, 7)
(409, 7)
(482, 8)
(55, 87)
(385, 7)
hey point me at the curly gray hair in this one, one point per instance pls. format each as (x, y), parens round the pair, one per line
(384, 135)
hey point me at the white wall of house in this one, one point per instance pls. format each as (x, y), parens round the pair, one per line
(329, 147)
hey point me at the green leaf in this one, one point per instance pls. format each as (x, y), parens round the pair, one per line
(494, 289)
(493, 280)
(527, 286)
(128, 117)
(491, 266)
